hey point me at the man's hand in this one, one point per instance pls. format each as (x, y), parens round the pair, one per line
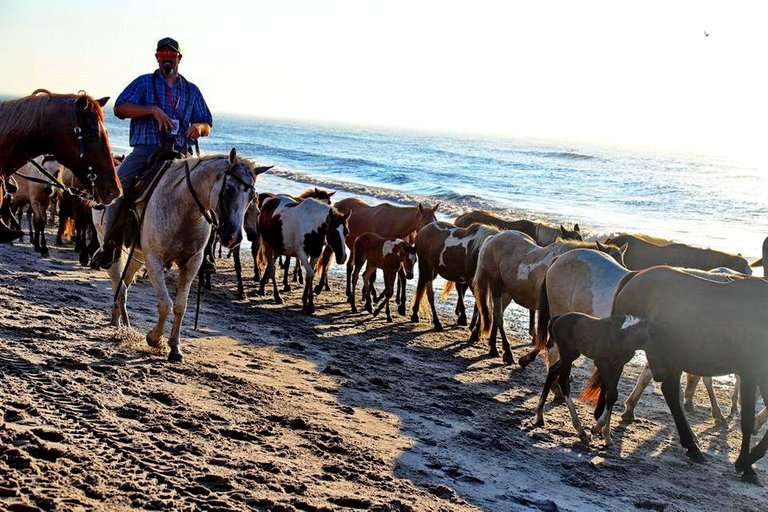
(197, 130)
(163, 121)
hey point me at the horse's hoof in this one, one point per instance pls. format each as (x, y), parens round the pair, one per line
(696, 455)
(438, 328)
(508, 359)
(721, 421)
(401, 311)
(286, 288)
(354, 309)
(585, 437)
(524, 361)
(278, 300)
(368, 308)
(174, 357)
(474, 337)
(153, 343)
(628, 417)
(43, 254)
(461, 321)
(309, 309)
(538, 423)
(750, 477)
(414, 318)
(389, 320)
(493, 352)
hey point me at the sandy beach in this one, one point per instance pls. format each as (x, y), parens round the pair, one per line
(276, 410)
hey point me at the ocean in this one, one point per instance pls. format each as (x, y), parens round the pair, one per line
(689, 198)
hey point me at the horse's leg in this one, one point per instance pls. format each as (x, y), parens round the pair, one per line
(552, 375)
(717, 414)
(745, 460)
(495, 308)
(308, 299)
(369, 275)
(355, 276)
(461, 312)
(255, 247)
(389, 278)
(325, 260)
(187, 271)
(286, 271)
(350, 263)
(564, 382)
(670, 387)
(40, 229)
(155, 268)
(532, 323)
(760, 448)
(735, 398)
(691, 381)
(642, 382)
(418, 296)
(238, 273)
(401, 292)
(272, 271)
(437, 326)
(611, 383)
(507, 355)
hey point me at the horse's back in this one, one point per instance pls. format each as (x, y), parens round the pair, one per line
(714, 326)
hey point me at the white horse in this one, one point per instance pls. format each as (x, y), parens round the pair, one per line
(176, 226)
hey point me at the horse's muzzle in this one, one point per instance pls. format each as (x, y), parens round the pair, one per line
(230, 241)
(107, 196)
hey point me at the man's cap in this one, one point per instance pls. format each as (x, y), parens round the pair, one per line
(168, 42)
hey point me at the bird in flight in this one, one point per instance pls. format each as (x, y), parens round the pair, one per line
(706, 34)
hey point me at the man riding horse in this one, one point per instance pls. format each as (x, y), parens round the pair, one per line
(166, 112)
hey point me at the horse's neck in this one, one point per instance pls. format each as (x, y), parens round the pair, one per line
(175, 191)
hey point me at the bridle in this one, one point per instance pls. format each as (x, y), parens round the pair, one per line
(210, 216)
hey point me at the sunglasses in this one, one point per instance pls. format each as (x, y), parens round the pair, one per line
(166, 55)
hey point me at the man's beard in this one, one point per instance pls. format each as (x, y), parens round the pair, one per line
(168, 68)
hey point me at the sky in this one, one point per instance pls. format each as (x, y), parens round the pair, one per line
(640, 74)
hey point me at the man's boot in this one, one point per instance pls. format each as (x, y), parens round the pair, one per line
(109, 252)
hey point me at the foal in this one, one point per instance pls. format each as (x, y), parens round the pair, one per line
(610, 342)
(388, 254)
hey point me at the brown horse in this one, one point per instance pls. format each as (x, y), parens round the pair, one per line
(390, 255)
(642, 254)
(706, 328)
(36, 190)
(450, 252)
(544, 234)
(68, 126)
(386, 220)
(610, 342)
(511, 266)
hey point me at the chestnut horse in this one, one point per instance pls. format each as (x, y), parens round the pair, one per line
(386, 220)
(511, 266)
(390, 255)
(706, 328)
(68, 126)
(450, 252)
(36, 190)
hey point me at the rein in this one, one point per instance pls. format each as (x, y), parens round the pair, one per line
(82, 194)
(210, 217)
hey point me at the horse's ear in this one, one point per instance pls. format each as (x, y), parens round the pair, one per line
(563, 231)
(576, 228)
(232, 156)
(331, 193)
(259, 170)
(102, 101)
(436, 207)
(600, 247)
(420, 208)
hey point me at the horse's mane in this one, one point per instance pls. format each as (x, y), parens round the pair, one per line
(316, 193)
(23, 115)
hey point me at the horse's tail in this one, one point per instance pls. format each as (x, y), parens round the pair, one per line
(480, 288)
(591, 392)
(447, 289)
(69, 227)
(541, 334)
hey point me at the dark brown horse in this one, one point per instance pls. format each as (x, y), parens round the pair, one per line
(384, 219)
(544, 234)
(450, 252)
(68, 126)
(705, 328)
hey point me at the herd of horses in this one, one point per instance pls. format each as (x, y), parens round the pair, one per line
(691, 310)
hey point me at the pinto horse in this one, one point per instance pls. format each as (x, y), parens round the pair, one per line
(386, 220)
(544, 234)
(643, 253)
(390, 255)
(511, 266)
(450, 252)
(68, 126)
(300, 228)
(176, 227)
(35, 189)
(706, 328)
